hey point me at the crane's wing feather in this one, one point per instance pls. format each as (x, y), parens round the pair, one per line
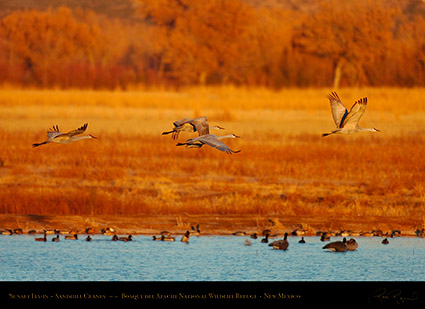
(180, 122)
(78, 131)
(53, 132)
(179, 125)
(339, 111)
(356, 112)
(213, 141)
(201, 125)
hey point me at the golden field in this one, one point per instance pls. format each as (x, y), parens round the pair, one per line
(285, 171)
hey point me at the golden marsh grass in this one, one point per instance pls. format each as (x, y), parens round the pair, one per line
(285, 167)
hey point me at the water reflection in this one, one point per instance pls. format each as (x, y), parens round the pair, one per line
(208, 258)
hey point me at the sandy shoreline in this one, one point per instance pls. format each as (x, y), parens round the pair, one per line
(210, 224)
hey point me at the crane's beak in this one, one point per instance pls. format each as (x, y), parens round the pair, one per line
(377, 130)
(93, 136)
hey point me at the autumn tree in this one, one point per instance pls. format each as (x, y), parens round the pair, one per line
(194, 42)
(407, 63)
(206, 40)
(349, 34)
(40, 43)
(64, 48)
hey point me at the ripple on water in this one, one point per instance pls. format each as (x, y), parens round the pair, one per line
(208, 258)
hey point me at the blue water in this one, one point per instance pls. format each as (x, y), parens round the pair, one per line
(208, 258)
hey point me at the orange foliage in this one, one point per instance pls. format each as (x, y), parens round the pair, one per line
(239, 42)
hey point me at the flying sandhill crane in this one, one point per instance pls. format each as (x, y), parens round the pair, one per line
(199, 125)
(55, 136)
(347, 122)
(210, 140)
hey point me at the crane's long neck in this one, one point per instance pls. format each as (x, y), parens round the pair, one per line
(226, 136)
(368, 129)
(77, 138)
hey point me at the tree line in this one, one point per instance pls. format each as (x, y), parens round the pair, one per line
(177, 43)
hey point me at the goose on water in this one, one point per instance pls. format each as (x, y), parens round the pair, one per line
(351, 244)
(41, 238)
(337, 246)
(282, 244)
(185, 237)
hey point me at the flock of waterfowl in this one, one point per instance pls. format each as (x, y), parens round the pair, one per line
(73, 235)
(336, 246)
(347, 122)
(266, 237)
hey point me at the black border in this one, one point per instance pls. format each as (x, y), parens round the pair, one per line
(166, 293)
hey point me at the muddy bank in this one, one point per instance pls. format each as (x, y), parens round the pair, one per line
(209, 224)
